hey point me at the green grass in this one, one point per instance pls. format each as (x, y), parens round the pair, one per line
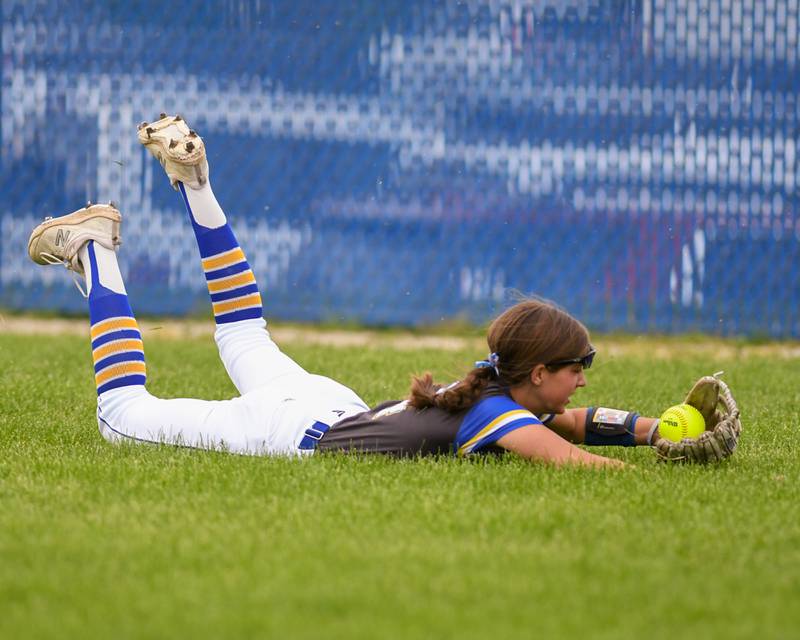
(100, 541)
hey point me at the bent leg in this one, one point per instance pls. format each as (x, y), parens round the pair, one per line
(125, 409)
(265, 421)
(250, 356)
(117, 348)
(242, 425)
(246, 349)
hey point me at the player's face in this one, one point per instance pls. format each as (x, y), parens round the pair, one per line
(558, 386)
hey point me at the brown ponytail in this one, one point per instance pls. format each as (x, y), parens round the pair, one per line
(426, 393)
(529, 333)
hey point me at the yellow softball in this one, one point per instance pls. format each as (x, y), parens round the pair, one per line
(681, 421)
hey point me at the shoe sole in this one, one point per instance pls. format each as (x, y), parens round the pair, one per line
(74, 218)
(187, 150)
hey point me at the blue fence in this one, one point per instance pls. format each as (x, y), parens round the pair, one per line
(404, 162)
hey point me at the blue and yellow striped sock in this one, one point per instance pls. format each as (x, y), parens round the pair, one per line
(231, 283)
(117, 347)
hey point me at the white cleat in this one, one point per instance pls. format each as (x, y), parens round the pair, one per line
(179, 150)
(58, 240)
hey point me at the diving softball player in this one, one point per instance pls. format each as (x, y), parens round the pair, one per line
(515, 400)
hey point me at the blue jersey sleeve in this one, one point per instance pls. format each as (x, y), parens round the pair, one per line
(488, 421)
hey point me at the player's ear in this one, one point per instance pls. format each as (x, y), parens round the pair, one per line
(537, 374)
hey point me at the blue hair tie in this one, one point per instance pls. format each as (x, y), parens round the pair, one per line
(491, 361)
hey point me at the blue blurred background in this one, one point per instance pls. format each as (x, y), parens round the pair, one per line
(408, 162)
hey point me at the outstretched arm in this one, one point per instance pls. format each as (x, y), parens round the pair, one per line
(571, 425)
(537, 442)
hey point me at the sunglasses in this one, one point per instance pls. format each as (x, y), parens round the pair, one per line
(585, 361)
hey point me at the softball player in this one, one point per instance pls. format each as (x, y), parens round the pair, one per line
(514, 400)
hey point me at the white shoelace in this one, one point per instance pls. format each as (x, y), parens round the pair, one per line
(50, 259)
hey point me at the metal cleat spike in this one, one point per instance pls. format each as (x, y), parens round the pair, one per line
(88, 204)
(173, 143)
(142, 125)
(192, 133)
(190, 146)
(178, 117)
(163, 115)
(113, 204)
(150, 131)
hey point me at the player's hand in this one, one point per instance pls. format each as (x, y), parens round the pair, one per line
(712, 398)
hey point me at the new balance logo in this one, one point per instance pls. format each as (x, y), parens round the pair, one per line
(62, 237)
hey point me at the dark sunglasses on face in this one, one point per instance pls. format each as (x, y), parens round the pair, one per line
(585, 361)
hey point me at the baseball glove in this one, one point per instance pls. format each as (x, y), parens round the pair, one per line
(711, 397)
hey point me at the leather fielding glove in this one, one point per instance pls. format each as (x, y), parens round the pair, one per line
(712, 398)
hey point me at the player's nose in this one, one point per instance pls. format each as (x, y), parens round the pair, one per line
(581, 380)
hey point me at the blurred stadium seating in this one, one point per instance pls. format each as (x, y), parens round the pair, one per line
(404, 162)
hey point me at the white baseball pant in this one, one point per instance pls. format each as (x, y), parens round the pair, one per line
(279, 400)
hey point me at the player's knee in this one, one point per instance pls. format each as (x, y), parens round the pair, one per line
(115, 407)
(106, 431)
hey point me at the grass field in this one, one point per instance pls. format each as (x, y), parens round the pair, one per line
(98, 541)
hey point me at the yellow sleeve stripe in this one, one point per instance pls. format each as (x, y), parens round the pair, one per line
(113, 324)
(119, 370)
(118, 346)
(498, 423)
(222, 260)
(245, 302)
(231, 282)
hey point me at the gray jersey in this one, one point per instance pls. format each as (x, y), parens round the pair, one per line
(396, 428)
